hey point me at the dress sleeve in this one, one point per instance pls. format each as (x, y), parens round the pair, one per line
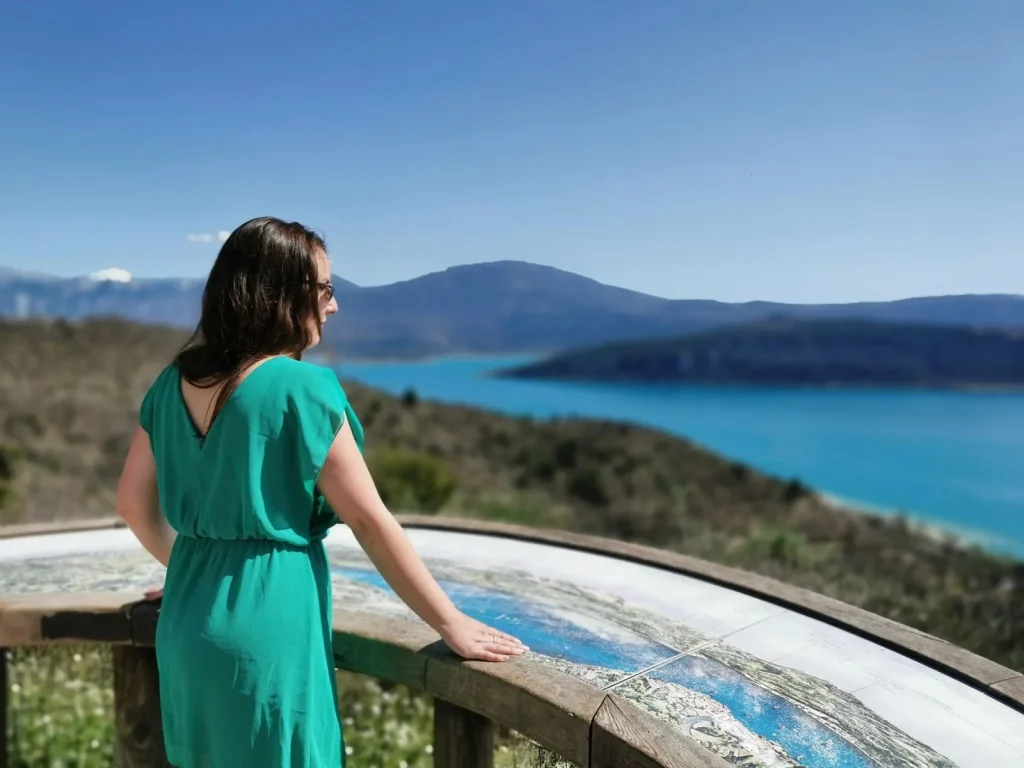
(146, 410)
(321, 411)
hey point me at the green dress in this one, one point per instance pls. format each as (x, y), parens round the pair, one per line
(244, 638)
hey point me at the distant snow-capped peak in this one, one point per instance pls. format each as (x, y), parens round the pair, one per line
(112, 275)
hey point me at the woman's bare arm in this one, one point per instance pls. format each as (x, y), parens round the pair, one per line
(138, 502)
(346, 483)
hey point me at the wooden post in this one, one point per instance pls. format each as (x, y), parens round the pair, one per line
(138, 730)
(462, 739)
(5, 687)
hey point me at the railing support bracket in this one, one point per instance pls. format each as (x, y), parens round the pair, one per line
(462, 739)
(139, 736)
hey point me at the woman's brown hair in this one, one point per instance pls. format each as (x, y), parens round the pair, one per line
(260, 300)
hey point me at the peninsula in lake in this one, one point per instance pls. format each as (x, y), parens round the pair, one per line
(783, 351)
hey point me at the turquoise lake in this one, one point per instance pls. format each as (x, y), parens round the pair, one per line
(955, 459)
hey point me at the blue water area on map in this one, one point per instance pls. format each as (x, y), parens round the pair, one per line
(804, 738)
(763, 712)
(951, 458)
(539, 628)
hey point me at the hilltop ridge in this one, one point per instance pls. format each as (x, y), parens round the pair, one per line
(504, 307)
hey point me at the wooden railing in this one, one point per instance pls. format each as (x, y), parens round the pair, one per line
(584, 725)
(577, 721)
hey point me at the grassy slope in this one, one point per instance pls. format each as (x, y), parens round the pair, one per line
(69, 394)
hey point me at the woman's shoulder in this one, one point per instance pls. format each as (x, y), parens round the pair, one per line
(300, 374)
(297, 381)
(294, 394)
(169, 373)
(164, 380)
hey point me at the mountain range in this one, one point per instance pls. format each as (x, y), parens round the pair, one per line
(492, 308)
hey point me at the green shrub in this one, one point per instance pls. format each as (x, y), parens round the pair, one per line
(6, 474)
(625, 466)
(739, 471)
(543, 470)
(412, 481)
(586, 484)
(520, 510)
(6, 494)
(369, 414)
(794, 490)
(566, 453)
(787, 547)
(6, 462)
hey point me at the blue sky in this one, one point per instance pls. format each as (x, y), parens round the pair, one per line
(729, 149)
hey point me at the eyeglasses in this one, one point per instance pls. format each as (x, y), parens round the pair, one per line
(328, 288)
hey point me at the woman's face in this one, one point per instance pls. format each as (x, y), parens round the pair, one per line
(326, 304)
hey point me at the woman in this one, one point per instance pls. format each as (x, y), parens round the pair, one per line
(244, 457)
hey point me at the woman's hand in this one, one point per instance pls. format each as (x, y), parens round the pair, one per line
(472, 639)
(154, 594)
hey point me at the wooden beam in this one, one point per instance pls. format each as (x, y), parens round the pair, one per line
(5, 686)
(462, 739)
(144, 617)
(138, 727)
(545, 705)
(395, 650)
(1013, 688)
(61, 526)
(623, 736)
(65, 617)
